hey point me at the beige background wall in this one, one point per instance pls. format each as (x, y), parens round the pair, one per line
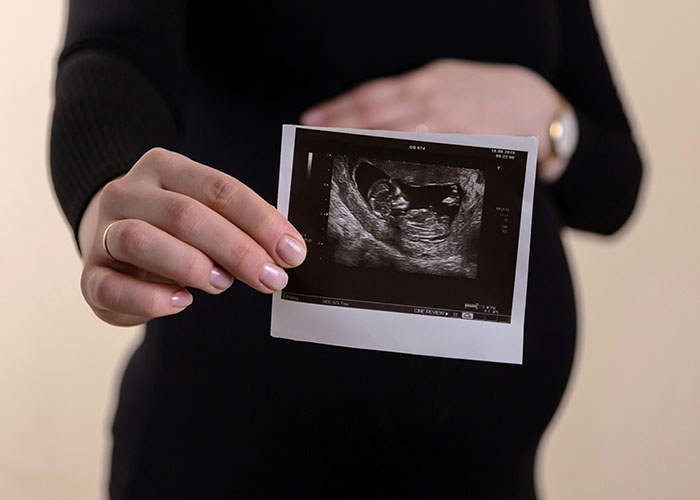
(628, 428)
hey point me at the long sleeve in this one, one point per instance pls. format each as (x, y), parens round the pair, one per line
(121, 77)
(598, 190)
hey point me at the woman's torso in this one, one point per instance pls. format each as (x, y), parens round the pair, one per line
(210, 395)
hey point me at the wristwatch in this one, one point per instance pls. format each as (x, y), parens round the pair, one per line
(563, 132)
(563, 137)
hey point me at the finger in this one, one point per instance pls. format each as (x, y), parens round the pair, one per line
(237, 203)
(199, 226)
(381, 117)
(418, 122)
(151, 249)
(118, 319)
(134, 271)
(107, 289)
(363, 98)
(408, 122)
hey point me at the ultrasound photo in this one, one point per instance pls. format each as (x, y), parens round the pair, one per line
(411, 217)
(407, 252)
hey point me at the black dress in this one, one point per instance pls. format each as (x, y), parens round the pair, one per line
(211, 406)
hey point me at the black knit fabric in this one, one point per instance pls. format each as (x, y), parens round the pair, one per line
(107, 119)
(211, 406)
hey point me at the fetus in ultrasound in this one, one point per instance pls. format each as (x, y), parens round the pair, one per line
(411, 217)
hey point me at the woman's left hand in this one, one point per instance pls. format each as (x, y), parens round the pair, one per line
(450, 96)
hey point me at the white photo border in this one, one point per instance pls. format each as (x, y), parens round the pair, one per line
(412, 333)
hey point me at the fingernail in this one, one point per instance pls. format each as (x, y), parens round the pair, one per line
(291, 251)
(181, 299)
(312, 117)
(218, 278)
(273, 277)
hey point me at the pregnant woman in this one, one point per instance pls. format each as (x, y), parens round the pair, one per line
(210, 405)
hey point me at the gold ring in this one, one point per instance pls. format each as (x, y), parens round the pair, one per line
(104, 239)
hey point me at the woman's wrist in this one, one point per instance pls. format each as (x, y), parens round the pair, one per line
(88, 224)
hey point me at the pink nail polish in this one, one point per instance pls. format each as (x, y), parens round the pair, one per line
(291, 250)
(181, 299)
(273, 277)
(218, 278)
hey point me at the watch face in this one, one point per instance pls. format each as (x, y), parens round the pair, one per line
(563, 133)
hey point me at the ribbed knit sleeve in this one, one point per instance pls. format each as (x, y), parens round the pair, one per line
(118, 89)
(599, 188)
(106, 116)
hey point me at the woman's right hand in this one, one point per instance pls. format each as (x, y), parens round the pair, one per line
(173, 223)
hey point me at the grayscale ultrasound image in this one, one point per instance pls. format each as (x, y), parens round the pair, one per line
(411, 217)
